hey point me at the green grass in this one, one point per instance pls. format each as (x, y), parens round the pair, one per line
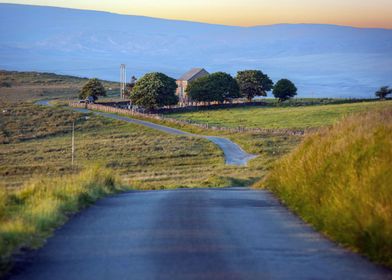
(278, 117)
(29, 215)
(39, 144)
(339, 180)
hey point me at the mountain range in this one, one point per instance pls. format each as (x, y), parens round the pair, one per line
(322, 60)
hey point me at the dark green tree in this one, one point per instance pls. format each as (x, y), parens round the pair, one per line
(218, 86)
(154, 90)
(284, 90)
(253, 83)
(129, 87)
(93, 88)
(383, 92)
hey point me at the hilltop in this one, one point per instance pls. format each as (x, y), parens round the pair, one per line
(323, 60)
(24, 86)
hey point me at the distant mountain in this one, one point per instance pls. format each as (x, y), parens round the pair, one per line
(323, 60)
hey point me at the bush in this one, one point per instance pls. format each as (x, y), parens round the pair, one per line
(339, 180)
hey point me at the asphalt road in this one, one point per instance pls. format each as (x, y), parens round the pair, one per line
(233, 233)
(233, 153)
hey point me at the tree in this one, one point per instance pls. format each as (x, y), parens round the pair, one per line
(253, 83)
(154, 90)
(93, 88)
(383, 92)
(129, 86)
(218, 86)
(284, 89)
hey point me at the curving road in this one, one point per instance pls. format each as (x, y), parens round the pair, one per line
(233, 233)
(234, 155)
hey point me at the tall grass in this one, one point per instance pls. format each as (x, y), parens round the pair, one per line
(340, 180)
(29, 215)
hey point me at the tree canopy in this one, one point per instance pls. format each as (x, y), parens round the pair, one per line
(218, 86)
(93, 88)
(253, 83)
(154, 90)
(284, 89)
(383, 92)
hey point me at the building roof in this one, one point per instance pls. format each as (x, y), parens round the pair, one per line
(191, 73)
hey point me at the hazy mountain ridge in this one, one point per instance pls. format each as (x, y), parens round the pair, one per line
(321, 59)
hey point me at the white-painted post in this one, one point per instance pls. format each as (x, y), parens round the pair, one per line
(73, 143)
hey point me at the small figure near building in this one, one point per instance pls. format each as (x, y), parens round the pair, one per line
(183, 82)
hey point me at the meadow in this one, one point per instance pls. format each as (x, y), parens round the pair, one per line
(339, 180)
(272, 117)
(37, 142)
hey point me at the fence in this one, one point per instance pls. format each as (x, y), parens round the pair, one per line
(133, 113)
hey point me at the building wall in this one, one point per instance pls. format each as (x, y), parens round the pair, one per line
(182, 85)
(182, 96)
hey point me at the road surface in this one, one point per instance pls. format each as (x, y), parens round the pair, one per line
(232, 233)
(233, 153)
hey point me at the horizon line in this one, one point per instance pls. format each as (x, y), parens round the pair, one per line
(195, 21)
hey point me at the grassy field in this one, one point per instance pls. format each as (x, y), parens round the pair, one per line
(39, 188)
(30, 214)
(279, 117)
(22, 86)
(37, 142)
(339, 180)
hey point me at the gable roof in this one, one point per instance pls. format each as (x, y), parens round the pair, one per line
(191, 73)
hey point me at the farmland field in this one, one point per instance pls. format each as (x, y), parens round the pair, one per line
(278, 117)
(36, 141)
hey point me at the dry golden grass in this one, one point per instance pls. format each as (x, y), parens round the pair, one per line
(339, 179)
(30, 214)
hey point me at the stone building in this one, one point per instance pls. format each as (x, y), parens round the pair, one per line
(184, 80)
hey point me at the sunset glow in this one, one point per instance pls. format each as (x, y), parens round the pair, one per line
(366, 13)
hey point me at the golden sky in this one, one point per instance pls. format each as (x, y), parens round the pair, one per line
(360, 13)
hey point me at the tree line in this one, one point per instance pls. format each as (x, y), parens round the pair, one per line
(155, 90)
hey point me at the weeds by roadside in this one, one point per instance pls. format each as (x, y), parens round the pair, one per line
(30, 214)
(339, 180)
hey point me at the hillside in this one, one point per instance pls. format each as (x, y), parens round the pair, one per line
(339, 180)
(24, 86)
(323, 60)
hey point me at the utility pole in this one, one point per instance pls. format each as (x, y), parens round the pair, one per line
(123, 77)
(73, 143)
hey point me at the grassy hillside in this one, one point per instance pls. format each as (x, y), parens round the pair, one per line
(29, 215)
(279, 117)
(24, 86)
(339, 180)
(37, 142)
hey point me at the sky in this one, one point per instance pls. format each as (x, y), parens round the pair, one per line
(359, 13)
